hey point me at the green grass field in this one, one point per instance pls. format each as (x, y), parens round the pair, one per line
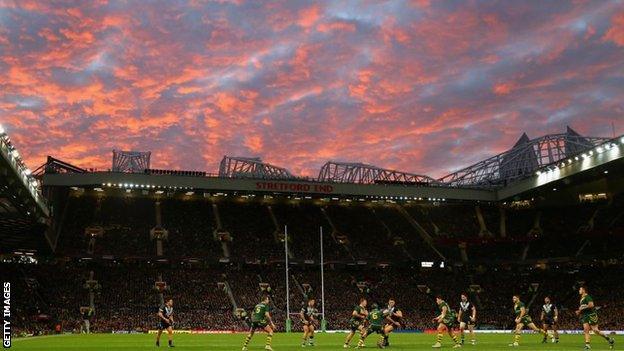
(282, 342)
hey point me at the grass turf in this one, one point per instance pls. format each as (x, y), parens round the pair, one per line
(283, 342)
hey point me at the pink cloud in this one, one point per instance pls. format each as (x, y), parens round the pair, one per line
(421, 86)
(616, 31)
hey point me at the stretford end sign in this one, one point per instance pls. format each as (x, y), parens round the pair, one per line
(295, 187)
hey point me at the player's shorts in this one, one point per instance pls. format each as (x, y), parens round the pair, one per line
(394, 326)
(162, 325)
(375, 329)
(449, 322)
(591, 319)
(354, 325)
(549, 321)
(259, 325)
(467, 320)
(526, 320)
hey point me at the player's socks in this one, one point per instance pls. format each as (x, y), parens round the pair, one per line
(517, 338)
(269, 340)
(462, 338)
(386, 341)
(247, 338)
(439, 338)
(382, 342)
(158, 343)
(311, 341)
(587, 346)
(455, 339)
(360, 343)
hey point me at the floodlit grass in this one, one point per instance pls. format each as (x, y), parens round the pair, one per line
(282, 342)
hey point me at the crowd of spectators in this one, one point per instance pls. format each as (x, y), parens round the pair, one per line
(127, 299)
(371, 232)
(371, 249)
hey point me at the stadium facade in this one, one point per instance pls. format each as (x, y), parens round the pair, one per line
(527, 167)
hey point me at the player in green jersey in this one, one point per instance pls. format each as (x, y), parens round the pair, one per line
(375, 325)
(589, 318)
(261, 319)
(446, 321)
(522, 320)
(358, 317)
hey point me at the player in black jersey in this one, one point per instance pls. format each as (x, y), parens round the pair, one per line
(467, 318)
(393, 319)
(549, 317)
(308, 318)
(165, 322)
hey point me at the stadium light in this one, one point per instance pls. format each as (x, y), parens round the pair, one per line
(538, 173)
(576, 158)
(599, 149)
(2, 131)
(591, 153)
(15, 153)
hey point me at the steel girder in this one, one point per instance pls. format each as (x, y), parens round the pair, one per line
(344, 172)
(131, 161)
(526, 157)
(251, 167)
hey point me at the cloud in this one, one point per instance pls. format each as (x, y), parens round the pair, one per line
(421, 86)
(616, 31)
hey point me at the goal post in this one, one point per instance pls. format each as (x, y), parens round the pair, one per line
(288, 320)
(323, 320)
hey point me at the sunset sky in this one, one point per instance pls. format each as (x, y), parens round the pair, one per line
(421, 86)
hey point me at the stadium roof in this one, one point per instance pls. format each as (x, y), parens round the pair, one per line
(23, 211)
(602, 155)
(522, 160)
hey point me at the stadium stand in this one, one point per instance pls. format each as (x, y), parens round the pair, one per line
(120, 246)
(125, 261)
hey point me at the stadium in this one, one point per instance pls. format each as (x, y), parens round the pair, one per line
(540, 219)
(235, 175)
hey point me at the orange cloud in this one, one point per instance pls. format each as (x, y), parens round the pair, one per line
(410, 86)
(616, 31)
(309, 16)
(503, 88)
